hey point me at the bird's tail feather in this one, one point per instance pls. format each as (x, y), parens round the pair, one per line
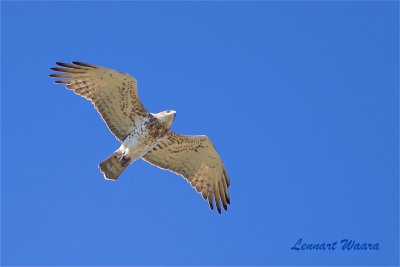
(114, 165)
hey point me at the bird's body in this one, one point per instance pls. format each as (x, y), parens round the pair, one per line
(146, 135)
(144, 138)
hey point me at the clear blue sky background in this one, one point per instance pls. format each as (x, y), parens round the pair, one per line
(300, 98)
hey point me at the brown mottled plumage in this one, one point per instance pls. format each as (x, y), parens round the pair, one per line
(146, 135)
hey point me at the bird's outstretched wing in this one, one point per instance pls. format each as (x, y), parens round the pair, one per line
(195, 158)
(114, 94)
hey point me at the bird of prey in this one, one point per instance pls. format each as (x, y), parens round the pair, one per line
(143, 134)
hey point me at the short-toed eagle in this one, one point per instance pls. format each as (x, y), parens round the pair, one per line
(146, 135)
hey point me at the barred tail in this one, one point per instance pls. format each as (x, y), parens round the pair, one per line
(114, 165)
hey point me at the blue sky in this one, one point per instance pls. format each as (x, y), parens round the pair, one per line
(300, 99)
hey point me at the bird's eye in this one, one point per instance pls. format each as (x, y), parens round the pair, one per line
(168, 111)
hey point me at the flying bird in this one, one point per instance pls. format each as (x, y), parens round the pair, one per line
(143, 134)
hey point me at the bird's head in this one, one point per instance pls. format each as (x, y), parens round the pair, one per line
(166, 116)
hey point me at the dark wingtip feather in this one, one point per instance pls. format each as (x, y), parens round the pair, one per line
(61, 64)
(82, 64)
(60, 69)
(228, 181)
(211, 204)
(63, 81)
(225, 206)
(218, 205)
